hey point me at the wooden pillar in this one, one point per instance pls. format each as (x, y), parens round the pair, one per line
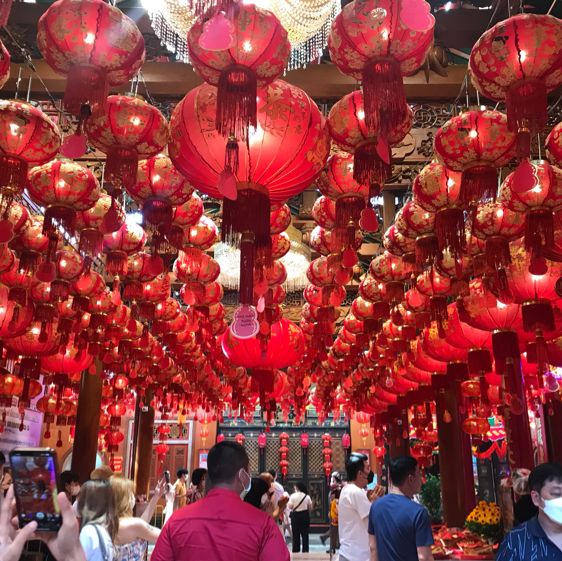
(143, 455)
(455, 454)
(397, 427)
(87, 425)
(552, 428)
(388, 208)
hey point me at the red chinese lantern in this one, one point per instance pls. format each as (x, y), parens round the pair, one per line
(159, 187)
(203, 234)
(28, 138)
(105, 217)
(262, 440)
(375, 42)
(4, 64)
(553, 145)
(63, 187)
(257, 55)
(131, 129)
(324, 212)
(304, 440)
(397, 243)
(346, 441)
(95, 44)
(183, 216)
(129, 239)
(476, 143)
(476, 426)
(240, 438)
(370, 149)
(518, 61)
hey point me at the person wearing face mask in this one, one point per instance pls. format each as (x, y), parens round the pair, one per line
(221, 526)
(540, 538)
(353, 509)
(399, 527)
(70, 485)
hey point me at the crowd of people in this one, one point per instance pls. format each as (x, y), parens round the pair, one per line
(210, 521)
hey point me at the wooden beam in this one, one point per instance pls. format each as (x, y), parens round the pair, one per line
(174, 80)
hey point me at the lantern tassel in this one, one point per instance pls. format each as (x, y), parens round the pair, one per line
(368, 167)
(236, 101)
(478, 183)
(157, 212)
(526, 106)
(384, 99)
(427, 251)
(348, 209)
(438, 310)
(449, 228)
(120, 170)
(539, 228)
(86, 86)
(91, 241)
(116, 263)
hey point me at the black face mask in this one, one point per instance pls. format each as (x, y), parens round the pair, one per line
(370, 477)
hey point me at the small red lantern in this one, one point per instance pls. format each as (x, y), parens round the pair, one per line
(240, 438)
(346, 441)
(262, 440)
(95, 44)
(304, 440)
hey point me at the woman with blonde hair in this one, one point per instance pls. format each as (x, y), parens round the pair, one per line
(99, 522)
(134, 535)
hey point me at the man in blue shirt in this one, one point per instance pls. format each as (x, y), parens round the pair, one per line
(540, 538)
(399, 528)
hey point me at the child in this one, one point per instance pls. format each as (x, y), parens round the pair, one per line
(334, 537)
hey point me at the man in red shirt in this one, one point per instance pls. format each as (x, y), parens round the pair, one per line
(222, 527)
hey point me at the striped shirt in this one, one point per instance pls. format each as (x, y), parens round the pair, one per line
(528, 542)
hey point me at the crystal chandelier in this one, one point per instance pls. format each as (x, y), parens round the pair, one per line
(307, 22)
(296, 263)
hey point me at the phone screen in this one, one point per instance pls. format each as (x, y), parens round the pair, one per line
(35, 485)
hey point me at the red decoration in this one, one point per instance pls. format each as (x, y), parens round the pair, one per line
(129, 130)
(262, 440)
(257, 56)
(346, 441)
(304, 439)
(476, 143)
(518, 61)
(372, 43)
(95, 44)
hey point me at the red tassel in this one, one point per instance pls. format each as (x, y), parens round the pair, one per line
(13, 175)
(62, 214)
(537, 314)
(120, 169)
(157, 212)
(539, 229)
(479, 361)
(236, 101)
(498, 255)
(438, 311)
(449, 228)
(523, 144)
(427, 251)
(29, 262)
(116, 263)
(384, 99)
(86, 85)
(478, 183)
(247, 268)
(91, 242)
(368, 167)
(526, 106)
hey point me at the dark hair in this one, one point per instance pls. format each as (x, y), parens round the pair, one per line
(354, 464)
(225, 460)
(400, 468)
(337, 493)
(336, 476)
(96, 505)
(181, 472)
(197, 476)
(301, 487)
(272, 472)
(66, 478)
(258, 488)
(2, 458)
(544, 473)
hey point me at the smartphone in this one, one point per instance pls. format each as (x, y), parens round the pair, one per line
(34, 472)
(167, 476)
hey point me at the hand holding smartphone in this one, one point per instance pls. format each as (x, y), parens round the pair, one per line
(34, 473)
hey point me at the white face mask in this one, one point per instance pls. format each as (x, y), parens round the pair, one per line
(245, 487)
(553, 509)
(264, 499)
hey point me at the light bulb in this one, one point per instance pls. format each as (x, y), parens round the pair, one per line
(89, 38)
(473, 133)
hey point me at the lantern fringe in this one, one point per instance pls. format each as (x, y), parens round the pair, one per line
(62, 214)
(91, 242)
(116, 263)
(86, 86)
(13, 176)
(438, 311)
(497, 251)
(537, 314)
(368, 167)
(478, 183)
(523, 145)
(120, 170)
(539, 229)
(384, 99)
(427, 251)
(157, 212)
(348, 209)
(479, 361)
(232, 155)
(449, 229)
(526, 106)
(29, 262)
(236, 102)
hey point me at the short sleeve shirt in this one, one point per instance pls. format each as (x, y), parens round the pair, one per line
(353, 514)
(400, 526)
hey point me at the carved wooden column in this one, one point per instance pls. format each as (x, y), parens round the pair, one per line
(143, 456)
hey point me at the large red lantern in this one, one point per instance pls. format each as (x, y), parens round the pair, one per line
(375, 42)
(476, 143)
(257, 55)
(131, 129)
(4, 64)
(63, 187)
(28, 138)
(160, 186)
(95, 44)
(553, 145)
(519, 61)
(129, 239)
(348, 127)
